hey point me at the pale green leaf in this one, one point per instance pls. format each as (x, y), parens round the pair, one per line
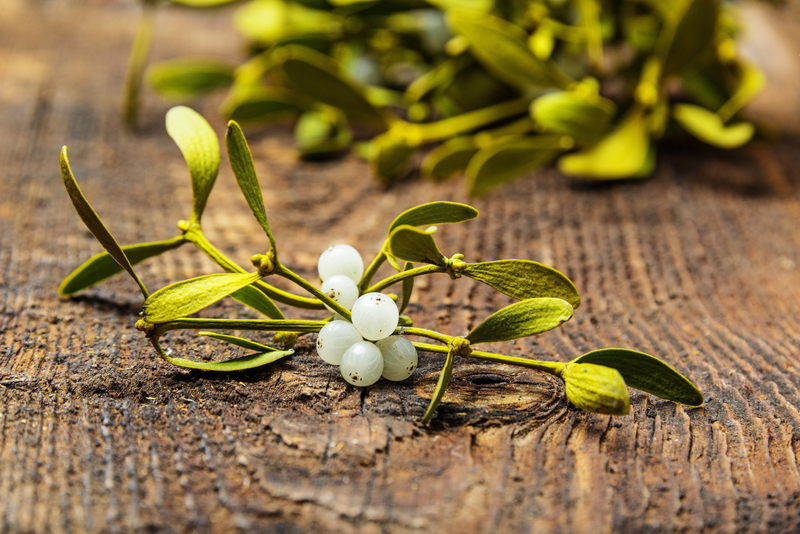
(186, 78)
(93, 222)
(253, 298)
(620, 154)
(190, 296)
(502, 49)
(596, 389)
(441, 386)
(103, 266)
(200, 148)
(707, 126)
(432, 213)
(523, 279)
(583, 118)
(239, 342)
(268, 22)
(449, 158)
(751, 82)
(522, 319)
(647, 373)
(260, 104)
(245, 173)
(411, 244)
(510, 158)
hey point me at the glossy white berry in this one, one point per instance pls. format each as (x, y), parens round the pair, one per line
(341, 259)
(399, 357)
(341, 289)
(334, 339)
(362, 364)
(375, 316)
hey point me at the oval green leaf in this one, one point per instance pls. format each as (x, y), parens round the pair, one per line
(103, 266)
(190, 296)
(200, 148)
(93, 222)
(524, 279)
(449, 158)
(687, 35)
(317, 76)
(253, 298)
(584, 119)
(245, 173)
(596, 389)
(707, 126)
(620, 154)
(441, 387)
(239, 342)
(439, 212)
(411, 244)
(509, 158)
(185, 78)
(268, 22)
(522, 319)
(647, 373)
(250, 361)
(501, 47)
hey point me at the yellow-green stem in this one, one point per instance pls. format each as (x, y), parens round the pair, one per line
(136, 63)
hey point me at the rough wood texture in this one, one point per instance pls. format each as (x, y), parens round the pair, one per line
(699, 265)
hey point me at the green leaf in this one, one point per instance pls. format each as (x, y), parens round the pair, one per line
(687, 35)
(202, 3)
(103, 266)
(596, 389)
(751, 82)
(440, 212)
(449, 158)
(439, 76)
(253, 298)
(93, 222)
(269, 21)
(707, 126)
(260, 104)
(509, 158)
(317, 76)
(475, 5)
(414, 245)
(620, 154)
(321, 134)
(190, 296)
(583, 118)
(245, 173)
(524, 279)
(200, 148)
(502, 49)
(441, 387)
(185, 78)
(644, 372)
(522, 319)
(408, 288)
(390, 155)
(250, 361)
(239, 342)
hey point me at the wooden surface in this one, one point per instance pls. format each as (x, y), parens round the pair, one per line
(699, 265)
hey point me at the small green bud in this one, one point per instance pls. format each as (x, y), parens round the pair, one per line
(596, 388)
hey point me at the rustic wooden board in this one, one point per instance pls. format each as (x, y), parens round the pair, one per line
(699, 265)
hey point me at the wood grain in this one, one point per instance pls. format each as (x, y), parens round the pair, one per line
(699, 265)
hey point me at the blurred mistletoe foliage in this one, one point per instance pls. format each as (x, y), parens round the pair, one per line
(499, 89)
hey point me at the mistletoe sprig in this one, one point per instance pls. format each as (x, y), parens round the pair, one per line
(546, 299)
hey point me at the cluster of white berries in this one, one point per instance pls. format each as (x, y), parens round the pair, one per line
(365, 350)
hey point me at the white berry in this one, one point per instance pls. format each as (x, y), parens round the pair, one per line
(341, 259)
(362, 364)
(334, 339)
(399, 357)
(375, 316)
(341, 289)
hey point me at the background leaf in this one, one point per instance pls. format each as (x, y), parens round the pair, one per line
(200, 148)
(186, 78)
(449, 158)
(522, 319)
(253, 298)
(524, 279)
(260, 104)
(103, 266)
(245, 173)
(93, 222)
(707, 126)
(431, 213)
(411, 244)
(441, 387)
(583, 118)
(510, 158)
(644, 372)
(189, 296)
(390, 155)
